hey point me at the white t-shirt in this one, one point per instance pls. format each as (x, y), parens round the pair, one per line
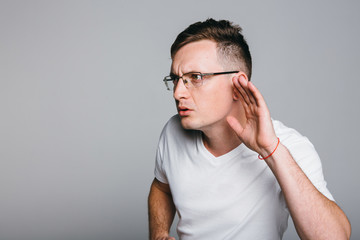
(234, 196)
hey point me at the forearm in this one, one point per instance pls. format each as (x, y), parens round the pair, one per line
(314, 216)
(161, 213)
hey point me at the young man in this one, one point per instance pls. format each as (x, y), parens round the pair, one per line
(227, 168)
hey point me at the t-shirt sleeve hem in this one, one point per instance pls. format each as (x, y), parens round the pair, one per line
(160, 178)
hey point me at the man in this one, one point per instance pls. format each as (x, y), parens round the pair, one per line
(227, 168)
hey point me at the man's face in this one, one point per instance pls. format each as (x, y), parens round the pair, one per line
(207, 106)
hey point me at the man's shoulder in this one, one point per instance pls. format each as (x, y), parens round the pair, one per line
(296, 143)
(172, 125)
(287, 134)
(174, 129)
(174, 121)
(281, 129)
(174, 136)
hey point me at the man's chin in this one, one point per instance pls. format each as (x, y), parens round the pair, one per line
(187, 124)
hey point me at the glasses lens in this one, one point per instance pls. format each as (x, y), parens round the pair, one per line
(194, 78)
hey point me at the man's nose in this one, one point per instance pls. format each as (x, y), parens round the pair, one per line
(180, 90)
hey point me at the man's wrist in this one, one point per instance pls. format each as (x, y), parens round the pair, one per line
(267, 152)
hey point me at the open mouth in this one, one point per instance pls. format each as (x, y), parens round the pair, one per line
(184, 111)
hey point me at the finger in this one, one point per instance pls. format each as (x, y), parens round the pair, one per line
(241, 91)
(244, 89)
(235, 125)
(236, 93)
(242, 97)
(245, 86)
(251, 106)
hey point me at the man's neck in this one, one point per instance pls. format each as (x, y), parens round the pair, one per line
(220, 140)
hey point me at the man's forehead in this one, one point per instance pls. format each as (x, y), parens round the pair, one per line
(195, 56)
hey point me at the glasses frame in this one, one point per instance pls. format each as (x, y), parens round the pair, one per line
(177, 78)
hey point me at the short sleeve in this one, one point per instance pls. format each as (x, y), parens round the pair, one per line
(159, 172)
(304, 153)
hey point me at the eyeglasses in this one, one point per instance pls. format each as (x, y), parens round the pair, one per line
(190, 79)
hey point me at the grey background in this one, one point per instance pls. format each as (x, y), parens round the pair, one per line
(82, 103)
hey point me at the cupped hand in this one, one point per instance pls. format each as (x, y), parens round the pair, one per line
(258, 132)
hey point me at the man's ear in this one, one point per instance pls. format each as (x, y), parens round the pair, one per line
(242, 74)
(236, 77)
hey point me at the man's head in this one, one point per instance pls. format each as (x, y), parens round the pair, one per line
(205, 59)
(232, 49)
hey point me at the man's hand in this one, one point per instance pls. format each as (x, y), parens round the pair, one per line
(165, 238)
(258, 133)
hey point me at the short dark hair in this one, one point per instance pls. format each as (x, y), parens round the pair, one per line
(231, 45)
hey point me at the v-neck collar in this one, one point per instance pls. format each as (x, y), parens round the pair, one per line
(227, 156)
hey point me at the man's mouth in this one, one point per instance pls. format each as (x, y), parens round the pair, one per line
(184, 111)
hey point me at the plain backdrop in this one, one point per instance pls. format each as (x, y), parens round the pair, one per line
(82, 103)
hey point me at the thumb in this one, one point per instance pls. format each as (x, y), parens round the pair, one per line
(235, 125)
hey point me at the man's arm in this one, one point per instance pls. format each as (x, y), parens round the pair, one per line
(314, 216)
(161, 211)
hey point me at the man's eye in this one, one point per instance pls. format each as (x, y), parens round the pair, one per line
(195, 77)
